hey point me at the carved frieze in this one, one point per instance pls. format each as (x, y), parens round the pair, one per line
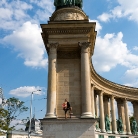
(69, 16)
(76, 30)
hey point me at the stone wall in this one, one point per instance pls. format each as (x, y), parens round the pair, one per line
(69, 128)
(68, 85)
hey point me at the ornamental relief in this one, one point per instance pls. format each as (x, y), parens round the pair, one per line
(69, 16)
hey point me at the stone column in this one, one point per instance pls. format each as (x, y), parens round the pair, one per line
(128, 130)
(102, 117)
(135, 108)
(51, 92)
(114, 127)
(95, 104)
(92, 101)
(106, 105)
(85, 80)
(121, 112)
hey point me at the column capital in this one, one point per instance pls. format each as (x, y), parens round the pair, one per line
(125, 100)
(52, 47)
(84, 46)
(106, 97)
(112, 96)
(119, 100)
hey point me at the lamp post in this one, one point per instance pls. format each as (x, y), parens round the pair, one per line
(29, 130)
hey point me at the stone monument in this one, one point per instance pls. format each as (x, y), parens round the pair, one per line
(69, 39)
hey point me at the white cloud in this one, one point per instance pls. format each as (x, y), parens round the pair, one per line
(110, 51)
(104, 17)
(46, 8)
(126, 8)
(26, 91)
(130, 108)
(98, 25)
(131, 77)
(28, 42)
(14, 13)
(135, 48)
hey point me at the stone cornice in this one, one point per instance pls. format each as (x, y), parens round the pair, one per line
(113, 88)
(62, 33)
(68, 30)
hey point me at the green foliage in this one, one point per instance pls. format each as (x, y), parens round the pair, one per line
(3, 120)
(14, 107)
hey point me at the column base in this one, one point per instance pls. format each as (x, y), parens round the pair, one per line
(128, 133)
(122, 133)
(103, 131)
(109, 131)
(114, 132)
(87, 115)
(50, 115)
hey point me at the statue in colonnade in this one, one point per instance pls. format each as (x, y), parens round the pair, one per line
(107, 123)
(134, 127)
(120, 125)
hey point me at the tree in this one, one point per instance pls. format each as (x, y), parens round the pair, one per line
(3, 120)
(14, 107)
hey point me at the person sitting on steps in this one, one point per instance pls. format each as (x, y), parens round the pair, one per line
(66, 106)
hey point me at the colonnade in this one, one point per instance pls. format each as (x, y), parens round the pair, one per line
(89, 94)
(107, 107)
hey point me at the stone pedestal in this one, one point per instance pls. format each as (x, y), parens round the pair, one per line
(69, 128)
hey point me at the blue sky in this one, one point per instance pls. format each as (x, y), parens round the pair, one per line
(23, 58)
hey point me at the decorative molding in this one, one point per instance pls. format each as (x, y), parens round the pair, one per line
(80, 30)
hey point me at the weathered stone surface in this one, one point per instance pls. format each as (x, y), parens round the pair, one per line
(68, 14)
(75, 128)
(68, 85)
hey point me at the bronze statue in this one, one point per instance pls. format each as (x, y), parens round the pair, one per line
(134, 127)
(120, 125)
(107, 123)
(65, 3)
